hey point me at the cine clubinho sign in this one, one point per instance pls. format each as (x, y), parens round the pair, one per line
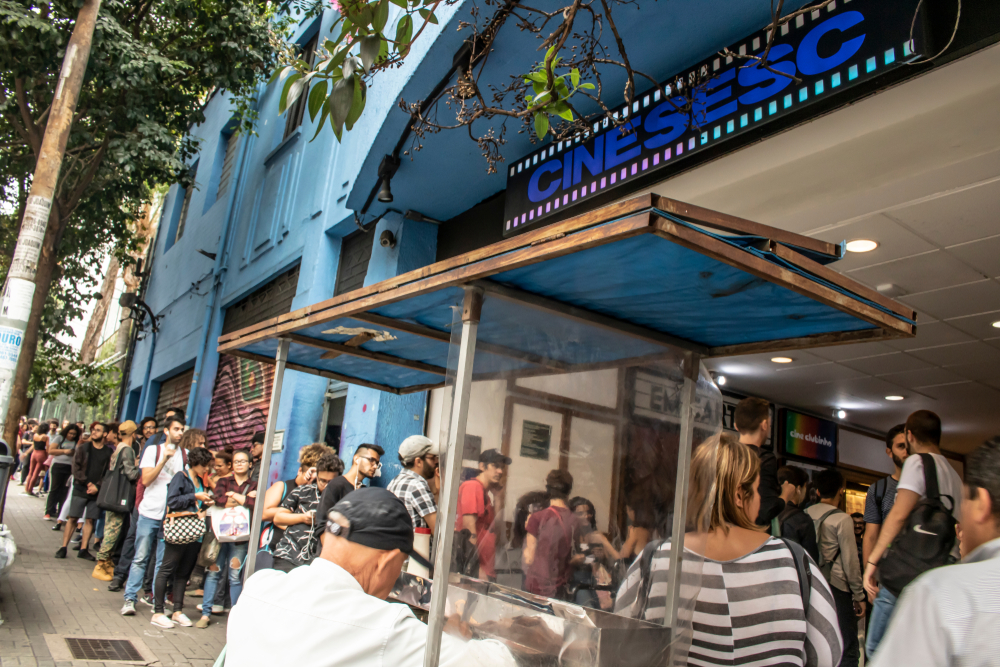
(830, 50)
(808, 437)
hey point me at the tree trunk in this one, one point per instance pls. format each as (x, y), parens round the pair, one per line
(29, 345)
(88, 351)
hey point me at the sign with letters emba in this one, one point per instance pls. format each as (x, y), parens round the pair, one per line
(830, 50)
(807, 437)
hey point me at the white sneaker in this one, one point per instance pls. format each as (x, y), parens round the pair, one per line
(161, 621)
(181, 619)
(129, 608)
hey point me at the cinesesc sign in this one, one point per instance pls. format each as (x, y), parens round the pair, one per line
(830, 50)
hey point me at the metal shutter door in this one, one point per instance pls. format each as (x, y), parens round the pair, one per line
(174, 393)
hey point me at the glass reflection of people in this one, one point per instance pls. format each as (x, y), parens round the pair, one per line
(475, 512)
(593, 556)
(549, 544)
(511, 571)
(752, 575)
(640, 524)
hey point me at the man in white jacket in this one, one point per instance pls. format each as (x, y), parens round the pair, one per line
(334, 611)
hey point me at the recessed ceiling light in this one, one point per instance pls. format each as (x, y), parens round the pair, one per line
(996, 325)
(861, 245)
(893, 398)
(841, 414)
(781, 360)
(720, 380)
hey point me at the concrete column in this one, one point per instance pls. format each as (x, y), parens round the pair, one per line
(372, 416)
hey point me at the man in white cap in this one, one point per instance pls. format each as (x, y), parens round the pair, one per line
(419, 456)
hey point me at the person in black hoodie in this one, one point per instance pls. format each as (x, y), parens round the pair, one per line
(753, 421)
(795, 524)
(185, 493)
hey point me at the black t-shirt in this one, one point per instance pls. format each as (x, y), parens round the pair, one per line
(277, 533)
(771, 503)
(98, 461)
(332, 494)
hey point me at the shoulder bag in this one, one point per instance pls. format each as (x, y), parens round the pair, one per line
(183, 528)
(117, 493)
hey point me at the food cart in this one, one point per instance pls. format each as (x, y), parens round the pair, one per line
(577, 347)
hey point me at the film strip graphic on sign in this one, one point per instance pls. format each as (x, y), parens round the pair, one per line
(830, 50)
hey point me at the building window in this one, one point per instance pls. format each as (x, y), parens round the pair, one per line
(228, 164)
(188, 191)
(294, 113)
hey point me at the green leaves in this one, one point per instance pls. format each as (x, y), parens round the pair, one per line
(547, 100)
(341, 101)
(370, 48)
(428, 15)
(541, 125)
(404, 32)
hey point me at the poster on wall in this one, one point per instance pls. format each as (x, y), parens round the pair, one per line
(536, 439)
(807, 437)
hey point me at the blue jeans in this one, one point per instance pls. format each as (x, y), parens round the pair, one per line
(147, 534)
(882, 609)
(227, 551)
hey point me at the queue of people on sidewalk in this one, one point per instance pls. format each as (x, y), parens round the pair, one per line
(817, 569)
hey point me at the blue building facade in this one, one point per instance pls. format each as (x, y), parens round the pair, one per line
(270, 225)
(262, 232)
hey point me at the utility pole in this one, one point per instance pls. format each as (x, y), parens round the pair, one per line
(18, 292)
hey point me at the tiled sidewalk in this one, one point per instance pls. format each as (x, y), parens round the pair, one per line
(45, 596)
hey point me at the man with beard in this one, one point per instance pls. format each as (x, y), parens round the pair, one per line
(878, 503)
(419, 456)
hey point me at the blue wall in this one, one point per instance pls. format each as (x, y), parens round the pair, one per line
(286, 205)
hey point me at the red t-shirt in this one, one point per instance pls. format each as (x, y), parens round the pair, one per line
(553, 530)
(473, 499)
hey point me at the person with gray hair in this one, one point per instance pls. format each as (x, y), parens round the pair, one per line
(334, 610)
(951, 615)
(419, 456)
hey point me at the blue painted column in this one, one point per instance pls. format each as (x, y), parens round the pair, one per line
(372, 416)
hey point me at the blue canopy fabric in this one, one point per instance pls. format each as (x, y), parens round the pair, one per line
(600, 292)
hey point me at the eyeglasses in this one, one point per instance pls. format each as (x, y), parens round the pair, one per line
(372, 459)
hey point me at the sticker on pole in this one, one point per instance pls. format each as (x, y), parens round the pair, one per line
(10, 347)
(16, 302)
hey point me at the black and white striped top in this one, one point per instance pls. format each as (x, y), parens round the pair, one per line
(747, 611)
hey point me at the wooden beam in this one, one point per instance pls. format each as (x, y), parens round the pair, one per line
(761, 268)
(730, 223)
(319, 371)
(445, 337)
(588, 317)
(367, 354)
(357, 341)
(806, 342)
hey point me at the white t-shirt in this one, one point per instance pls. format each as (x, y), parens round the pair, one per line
(318, 615)
(154, 498)
(949, 483)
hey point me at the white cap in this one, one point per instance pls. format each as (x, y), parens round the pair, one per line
(416, 446)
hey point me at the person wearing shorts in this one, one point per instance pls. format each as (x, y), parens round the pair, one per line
(90, 462)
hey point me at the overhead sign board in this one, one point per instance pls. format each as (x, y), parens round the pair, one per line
(830, 50)
(808, 437)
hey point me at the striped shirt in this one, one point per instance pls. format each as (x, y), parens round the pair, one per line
(746, 611)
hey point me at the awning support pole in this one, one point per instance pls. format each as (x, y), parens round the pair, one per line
(692, 364)
(451, 475)
(265, 459)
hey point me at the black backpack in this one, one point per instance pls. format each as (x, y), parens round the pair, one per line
(927, 538)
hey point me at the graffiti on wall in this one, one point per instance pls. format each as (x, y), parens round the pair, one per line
(240, 402)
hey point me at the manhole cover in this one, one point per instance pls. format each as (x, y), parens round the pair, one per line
(103, 649)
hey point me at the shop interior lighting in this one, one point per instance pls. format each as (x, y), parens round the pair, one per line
(861, 245)
(781, 360)
(841, 414)
(996, 325)
(894, 398)
(720, 380)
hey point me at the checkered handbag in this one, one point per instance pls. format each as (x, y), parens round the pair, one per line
(183, 528)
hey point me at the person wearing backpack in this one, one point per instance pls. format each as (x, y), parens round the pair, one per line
(948, 616)
(761, 599)
(837, 559)
(921, 525)
(878, 503)
(793, 523)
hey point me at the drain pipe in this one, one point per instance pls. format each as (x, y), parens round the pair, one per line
(145, 379)
(221, 256)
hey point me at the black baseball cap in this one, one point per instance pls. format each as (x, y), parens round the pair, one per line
(494, 457)
(378, 519)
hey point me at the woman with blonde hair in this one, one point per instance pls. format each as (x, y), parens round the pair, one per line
(750, 608)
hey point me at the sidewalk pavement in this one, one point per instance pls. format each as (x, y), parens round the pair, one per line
(44, 599)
